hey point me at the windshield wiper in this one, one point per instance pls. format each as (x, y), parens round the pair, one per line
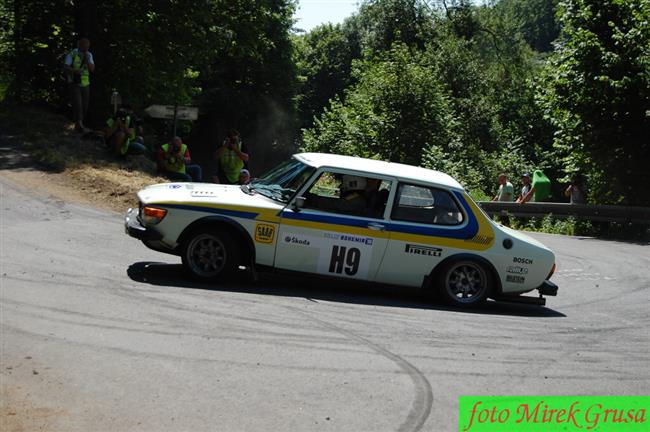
(274, 192)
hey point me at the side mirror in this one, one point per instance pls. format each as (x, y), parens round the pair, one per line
(299, 203)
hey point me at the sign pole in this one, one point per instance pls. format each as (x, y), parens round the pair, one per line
(175, 116)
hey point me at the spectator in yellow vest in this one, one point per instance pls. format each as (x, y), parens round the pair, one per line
(79, 63)
(174, 162)
(232, 157)
(120, 134)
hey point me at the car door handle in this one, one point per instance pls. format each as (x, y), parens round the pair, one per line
(376, 226)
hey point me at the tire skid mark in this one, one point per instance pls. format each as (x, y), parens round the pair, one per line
(423, 400)
(179, 358)
(263, 337)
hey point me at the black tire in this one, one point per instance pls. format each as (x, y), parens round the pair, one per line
(210, 253)
(464, 283)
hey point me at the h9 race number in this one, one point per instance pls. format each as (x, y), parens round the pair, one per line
(345, 259)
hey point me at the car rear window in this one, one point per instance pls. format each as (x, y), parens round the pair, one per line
(428, 205)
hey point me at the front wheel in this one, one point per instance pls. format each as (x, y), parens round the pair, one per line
(464, 283)
(210, 253)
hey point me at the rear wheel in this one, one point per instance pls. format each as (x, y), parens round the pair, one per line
(464, 283)
(209, 253)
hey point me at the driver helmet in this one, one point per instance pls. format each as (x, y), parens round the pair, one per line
(352, 183)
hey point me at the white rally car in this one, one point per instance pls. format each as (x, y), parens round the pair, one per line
(346, 217)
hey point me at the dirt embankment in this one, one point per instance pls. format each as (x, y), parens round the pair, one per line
(41, 151)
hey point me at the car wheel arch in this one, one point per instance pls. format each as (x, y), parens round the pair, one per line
(219, 221)
(464, 256)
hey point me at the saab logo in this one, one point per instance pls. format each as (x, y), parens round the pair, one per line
(515, 279)
(264, 233)
(522, 260)
(517, 270)
(422, 250)
(296, 240)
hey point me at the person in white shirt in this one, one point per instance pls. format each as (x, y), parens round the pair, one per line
(506, 190)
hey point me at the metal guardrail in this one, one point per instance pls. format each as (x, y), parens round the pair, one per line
(602, 213)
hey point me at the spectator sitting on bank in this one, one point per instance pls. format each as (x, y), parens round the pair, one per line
(576, 192)
(78, 65)
(120, 134)
(136, 122)
(244, 176)
(506, 191)
(174, 162)
(232, 157)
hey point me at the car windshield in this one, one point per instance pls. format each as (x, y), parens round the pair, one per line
(282, 182)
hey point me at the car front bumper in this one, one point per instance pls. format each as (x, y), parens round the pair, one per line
(134, 228)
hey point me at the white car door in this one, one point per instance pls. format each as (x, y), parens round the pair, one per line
(422, 221)
(337, 232)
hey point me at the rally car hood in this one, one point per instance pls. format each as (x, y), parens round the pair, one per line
(205, 194)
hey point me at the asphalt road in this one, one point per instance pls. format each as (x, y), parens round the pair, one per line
(101, 334)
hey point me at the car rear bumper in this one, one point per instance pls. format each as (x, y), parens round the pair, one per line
(134, 228)
(547, 288)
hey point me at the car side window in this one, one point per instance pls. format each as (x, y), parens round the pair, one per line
(348, 194)
(427, 205)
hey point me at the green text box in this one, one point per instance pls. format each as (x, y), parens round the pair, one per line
(554, 413)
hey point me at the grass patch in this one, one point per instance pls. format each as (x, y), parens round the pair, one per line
(89, 166)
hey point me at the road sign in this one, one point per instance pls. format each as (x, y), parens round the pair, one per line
(167, 112)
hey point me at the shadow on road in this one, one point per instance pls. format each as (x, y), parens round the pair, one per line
(315, 289)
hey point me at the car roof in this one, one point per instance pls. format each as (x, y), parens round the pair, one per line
(391, 169)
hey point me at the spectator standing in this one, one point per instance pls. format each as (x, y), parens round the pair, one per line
(576, 192)
(506, 190)
(525, 178)
(540, 189)
(174, 162)
(79, 63)
(232, 157)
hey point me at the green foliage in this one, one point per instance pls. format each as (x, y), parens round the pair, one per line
(468, 89)
(249, 79)
(233, 58)
(32, 46)
(381, 23)
(396, 109)
(534, 19)
(550, 224)
(324, 63)
(596, 93)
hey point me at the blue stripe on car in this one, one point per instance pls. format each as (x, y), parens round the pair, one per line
(466, 232)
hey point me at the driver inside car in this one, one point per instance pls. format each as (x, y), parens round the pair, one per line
(353, 197)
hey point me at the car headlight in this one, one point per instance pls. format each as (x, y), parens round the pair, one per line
(153, 215)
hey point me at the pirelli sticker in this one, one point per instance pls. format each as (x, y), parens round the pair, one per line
(264, 233)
